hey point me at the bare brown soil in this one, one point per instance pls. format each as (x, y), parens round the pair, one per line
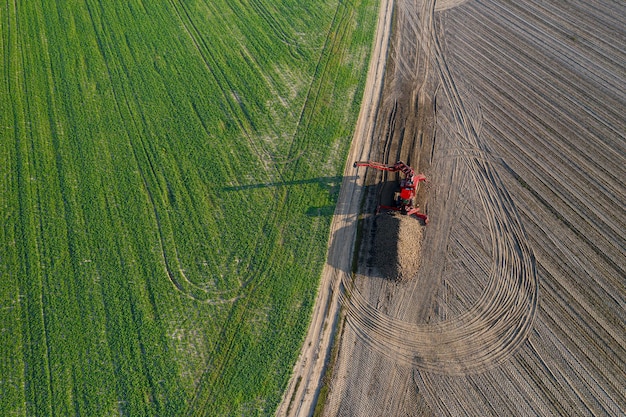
(515, 112)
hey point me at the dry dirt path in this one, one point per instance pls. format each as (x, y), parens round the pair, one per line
(301, 395)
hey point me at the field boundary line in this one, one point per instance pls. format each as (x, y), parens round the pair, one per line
(300, 396)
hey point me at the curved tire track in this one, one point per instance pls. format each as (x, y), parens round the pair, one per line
(500, 320)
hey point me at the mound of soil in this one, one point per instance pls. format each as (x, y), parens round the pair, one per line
(396, 247)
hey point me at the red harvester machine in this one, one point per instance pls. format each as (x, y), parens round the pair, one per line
(405, 199)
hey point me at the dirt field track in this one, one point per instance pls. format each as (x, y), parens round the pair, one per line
(515, 110)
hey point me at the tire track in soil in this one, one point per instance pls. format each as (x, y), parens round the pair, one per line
(557, 179)
(499, 321)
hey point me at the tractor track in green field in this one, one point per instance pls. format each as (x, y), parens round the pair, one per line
(34, 314)
(183, 285)
(150, 178)
(195, 35)
(204, 51)
(319, 75)
(212, 374)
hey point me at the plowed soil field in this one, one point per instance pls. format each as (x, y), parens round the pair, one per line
(515, 112)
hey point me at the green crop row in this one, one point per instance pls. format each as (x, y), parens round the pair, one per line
(167, 175)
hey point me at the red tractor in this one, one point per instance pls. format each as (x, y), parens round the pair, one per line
(405, 198)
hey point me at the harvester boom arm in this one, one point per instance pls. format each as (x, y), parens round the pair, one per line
(398, 166)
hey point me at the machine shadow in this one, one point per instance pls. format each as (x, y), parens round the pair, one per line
(324, 182)
(331, 185)
(375, 250)
(387, 242)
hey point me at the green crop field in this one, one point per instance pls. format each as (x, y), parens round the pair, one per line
(168, 171)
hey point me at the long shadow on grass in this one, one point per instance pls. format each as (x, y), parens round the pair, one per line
(380, 253)
(326, 184)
